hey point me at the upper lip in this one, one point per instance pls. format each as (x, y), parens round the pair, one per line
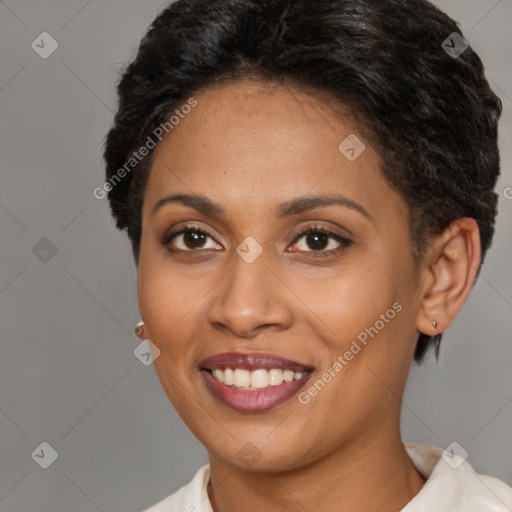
(251, 362)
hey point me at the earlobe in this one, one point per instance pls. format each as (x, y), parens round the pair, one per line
(453, 261)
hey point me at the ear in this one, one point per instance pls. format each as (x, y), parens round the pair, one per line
(452, 263)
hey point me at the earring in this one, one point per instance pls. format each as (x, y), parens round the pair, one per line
(434, 324)
(139, 330)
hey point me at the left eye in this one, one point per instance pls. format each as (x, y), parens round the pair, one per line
(320, 240)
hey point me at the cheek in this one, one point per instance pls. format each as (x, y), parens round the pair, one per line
(364, 312)
(166, 306)
(166, 296)
(349, 299)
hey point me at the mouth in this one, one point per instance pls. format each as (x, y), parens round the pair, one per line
(253, 382)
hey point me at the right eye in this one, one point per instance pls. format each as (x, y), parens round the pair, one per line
(191, 238)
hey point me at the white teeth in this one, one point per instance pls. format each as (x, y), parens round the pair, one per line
(257, 379)
(287, 375)
(242, 378)
(228, 377)
(275, 376)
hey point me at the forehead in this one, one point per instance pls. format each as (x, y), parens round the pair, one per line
(253, 145)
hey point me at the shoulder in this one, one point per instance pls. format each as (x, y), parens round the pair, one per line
(452, 484)
(192, 497)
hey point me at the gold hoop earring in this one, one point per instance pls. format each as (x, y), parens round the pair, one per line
(139, 330)
(434, 324)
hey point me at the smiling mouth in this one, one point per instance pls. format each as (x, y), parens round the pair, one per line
(253, 382)
(240, 378)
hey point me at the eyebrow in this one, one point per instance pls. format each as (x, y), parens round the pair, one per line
(294, 206)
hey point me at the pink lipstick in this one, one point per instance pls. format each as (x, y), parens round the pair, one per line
(253, 382)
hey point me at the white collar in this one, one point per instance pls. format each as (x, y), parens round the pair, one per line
(452, 486)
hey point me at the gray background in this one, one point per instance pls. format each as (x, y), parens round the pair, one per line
(68, 374)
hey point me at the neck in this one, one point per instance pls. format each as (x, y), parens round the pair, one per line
(371, 473)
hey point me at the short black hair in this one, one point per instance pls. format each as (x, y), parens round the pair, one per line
(428, 111)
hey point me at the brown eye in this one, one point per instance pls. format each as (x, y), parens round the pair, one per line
(188, 239)
(194, 239)
(318, 239)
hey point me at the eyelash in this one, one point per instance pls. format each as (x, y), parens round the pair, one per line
(166, 240)
(344, 242)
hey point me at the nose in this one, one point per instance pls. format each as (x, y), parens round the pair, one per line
(251, 299)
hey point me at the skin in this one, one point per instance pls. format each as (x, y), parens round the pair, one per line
(250, 147)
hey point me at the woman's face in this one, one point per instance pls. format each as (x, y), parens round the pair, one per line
(251, 289)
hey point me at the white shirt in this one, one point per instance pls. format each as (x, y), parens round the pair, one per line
(452, 486)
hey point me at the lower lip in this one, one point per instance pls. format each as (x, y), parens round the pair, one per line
(253, 400)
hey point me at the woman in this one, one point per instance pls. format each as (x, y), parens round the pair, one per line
(308, 190)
